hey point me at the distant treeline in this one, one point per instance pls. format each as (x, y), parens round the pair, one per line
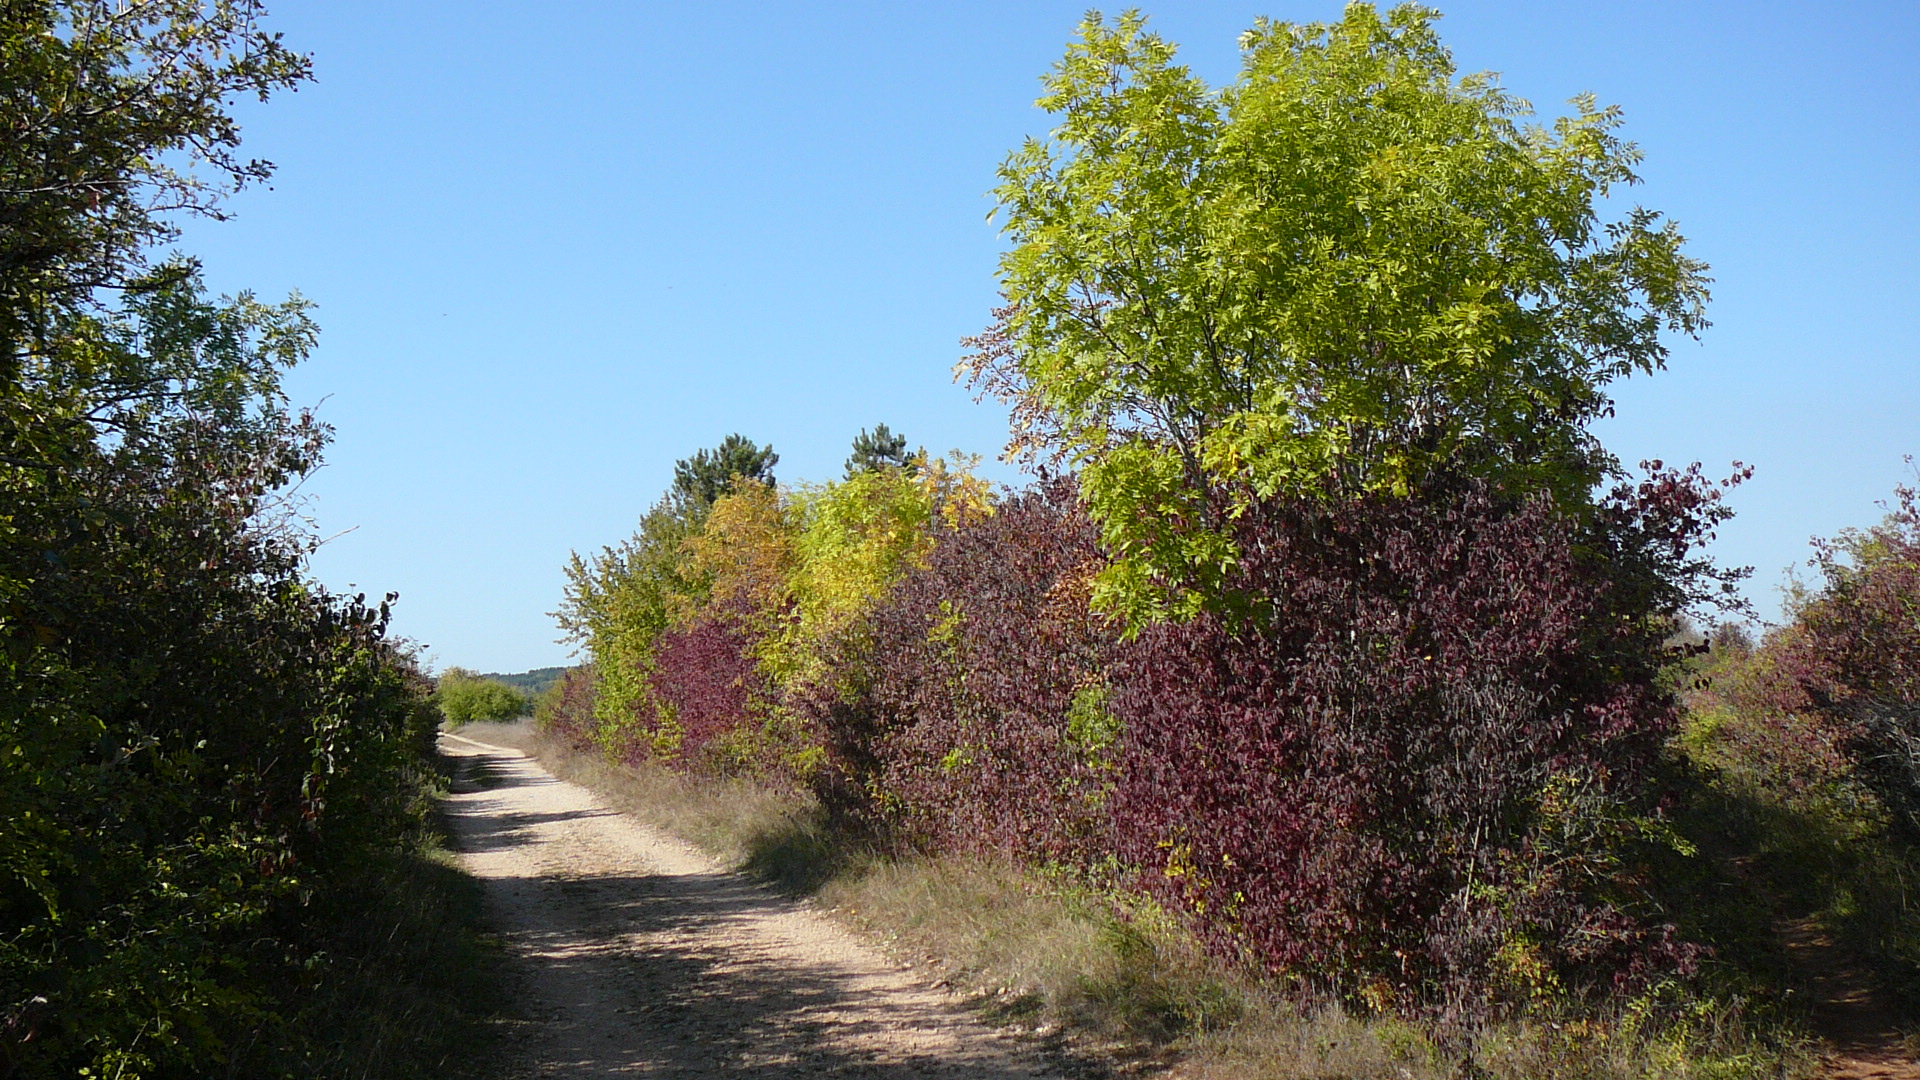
(531, 683)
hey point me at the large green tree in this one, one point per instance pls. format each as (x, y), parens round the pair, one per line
(116, 122)
(1352, 271)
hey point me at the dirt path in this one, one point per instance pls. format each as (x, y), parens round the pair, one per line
(644, 957)
(1863, 1038)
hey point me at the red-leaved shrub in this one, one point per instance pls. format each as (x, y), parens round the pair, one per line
(566, 709)
(968, 712)
(703, 678)
(1415, 764)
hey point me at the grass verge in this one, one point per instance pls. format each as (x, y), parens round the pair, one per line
(406, 982)
(1115, 983)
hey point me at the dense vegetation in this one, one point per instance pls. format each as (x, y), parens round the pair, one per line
(463, 696)
(1807, 746)
(531, 683)
(1337, 634)
(212, 771)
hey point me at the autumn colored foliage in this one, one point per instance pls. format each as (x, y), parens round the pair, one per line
(1338, 646)
(711, 627)
(1835, 693)
(967, 713)
(704, 682)
(1411, 758)
(1806, 743)
(1417, 765)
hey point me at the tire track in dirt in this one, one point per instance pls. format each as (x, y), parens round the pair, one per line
(644, 957)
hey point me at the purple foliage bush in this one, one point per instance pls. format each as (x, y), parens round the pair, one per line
(704, 677)
(566, 709)
(1414, 764)
(1413, 758)
(966, 715)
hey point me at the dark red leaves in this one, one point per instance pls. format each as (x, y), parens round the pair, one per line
(971, 717)
(702, 680)
(1348, 785)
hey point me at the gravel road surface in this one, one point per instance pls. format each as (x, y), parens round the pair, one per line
(643, 957)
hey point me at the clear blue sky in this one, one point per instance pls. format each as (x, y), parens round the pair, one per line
(556, 246)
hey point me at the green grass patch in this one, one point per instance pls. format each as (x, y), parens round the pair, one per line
(412, 981)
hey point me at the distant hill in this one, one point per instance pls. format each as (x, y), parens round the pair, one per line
(531, 683)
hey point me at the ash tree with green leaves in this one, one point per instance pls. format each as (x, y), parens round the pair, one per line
(1352, 271)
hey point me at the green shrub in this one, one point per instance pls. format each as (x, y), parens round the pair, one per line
(464, 697)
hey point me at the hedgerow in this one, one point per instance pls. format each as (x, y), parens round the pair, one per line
(212, 770)
(1415, 765)
(1861, 650)
(703, 683)
(567, 707)
(968, 711)
(1412, 760)
(1411, 757)
(206, 749)
(712, 625)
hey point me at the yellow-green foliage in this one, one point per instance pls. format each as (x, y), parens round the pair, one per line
(463, 697)
(854, 539)
(956, 493)
(793, 567)
(1352, 270)
(744, 556)
(617, 604)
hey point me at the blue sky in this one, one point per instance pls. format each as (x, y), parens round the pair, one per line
(557, 246)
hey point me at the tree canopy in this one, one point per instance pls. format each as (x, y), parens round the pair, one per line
(116, 122)
(880, 449)
(1351, 271)
(709, 474)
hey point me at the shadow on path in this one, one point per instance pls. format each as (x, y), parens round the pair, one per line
(647, 961)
